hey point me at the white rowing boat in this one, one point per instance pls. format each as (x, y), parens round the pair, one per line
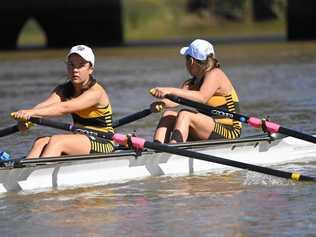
(126, 165)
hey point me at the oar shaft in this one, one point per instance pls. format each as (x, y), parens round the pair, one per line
(276, 128)
(223, 161)
(50, 123)
(131, 118)
(140, 144)
(70, 127)
(9, 130)
(206, 109)
(299, 135)
(252, 121)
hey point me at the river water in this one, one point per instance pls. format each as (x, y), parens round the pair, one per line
(276, 80)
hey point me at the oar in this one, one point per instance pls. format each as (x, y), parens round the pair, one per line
(69, 127)
(116, 123)
(9, 130)
(140, 144)
(62, 126)
(252, 121)
(131, 118)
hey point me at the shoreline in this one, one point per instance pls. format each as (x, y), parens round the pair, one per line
(275, 46)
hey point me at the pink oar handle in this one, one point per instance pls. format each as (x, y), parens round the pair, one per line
(270, 126)
(137, 142)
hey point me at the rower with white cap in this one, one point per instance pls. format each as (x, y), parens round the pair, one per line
(209, 85)
(84, 99)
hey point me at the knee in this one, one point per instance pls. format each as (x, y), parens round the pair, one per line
(184, 115)
(41, 141)
(169, 113)
(167, 119)
(55, 140)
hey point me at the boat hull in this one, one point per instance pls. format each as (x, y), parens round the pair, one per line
(123, 166)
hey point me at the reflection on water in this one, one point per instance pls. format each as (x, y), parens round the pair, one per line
(183, 206)
(234, 204)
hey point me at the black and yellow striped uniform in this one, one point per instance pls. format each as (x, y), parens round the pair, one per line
(95, 118)
(99, 119)
(224, 127)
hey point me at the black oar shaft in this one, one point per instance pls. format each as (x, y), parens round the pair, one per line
(131, 118)
(200, 156)
(254, 122)
(206, 109)
(50, 123)
(70, 127)
(296, 134)
(9, 130)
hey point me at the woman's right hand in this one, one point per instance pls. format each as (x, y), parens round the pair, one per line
(160, 92)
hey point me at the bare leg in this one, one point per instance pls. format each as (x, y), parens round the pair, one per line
(38, 147)
(165, 126)
(70, 144)
(198, 125)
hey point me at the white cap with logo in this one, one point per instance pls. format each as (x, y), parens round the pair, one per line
(198, 49)
(84, 51)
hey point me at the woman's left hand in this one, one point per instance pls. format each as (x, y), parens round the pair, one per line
(157, 106)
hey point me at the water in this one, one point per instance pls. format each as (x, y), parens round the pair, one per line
(279, 84)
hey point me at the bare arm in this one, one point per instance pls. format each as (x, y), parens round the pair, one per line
(85, 100)
(211, 84)
(52, 99)
(165, 102)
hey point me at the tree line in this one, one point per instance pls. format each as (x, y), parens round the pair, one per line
(237, 10)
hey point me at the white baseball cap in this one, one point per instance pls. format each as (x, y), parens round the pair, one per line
(84, 51)
(198, 49)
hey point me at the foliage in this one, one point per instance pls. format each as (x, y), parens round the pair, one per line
(167, 19)
(151, 19)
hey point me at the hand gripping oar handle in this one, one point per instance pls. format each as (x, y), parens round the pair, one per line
(252, 121)
(140, 144)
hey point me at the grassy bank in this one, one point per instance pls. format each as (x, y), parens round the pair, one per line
(165, 19)
(227, 53)
(150, 19)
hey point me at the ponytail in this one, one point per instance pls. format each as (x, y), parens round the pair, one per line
(210, 63)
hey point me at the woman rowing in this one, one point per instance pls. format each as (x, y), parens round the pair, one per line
(208, 85)
(83, 98)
